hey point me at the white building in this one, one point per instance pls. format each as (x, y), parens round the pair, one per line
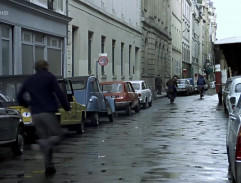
(104, 26)
(176, 29)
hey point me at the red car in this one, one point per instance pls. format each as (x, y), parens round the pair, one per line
(124, 94)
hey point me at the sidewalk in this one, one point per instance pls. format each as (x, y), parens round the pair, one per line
(157, 96)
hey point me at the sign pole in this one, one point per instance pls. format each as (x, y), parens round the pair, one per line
(97, 69)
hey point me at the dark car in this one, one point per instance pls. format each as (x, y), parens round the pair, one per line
(233, 142)
(87, 92)
(124, 94)
(11, 129)
(73, 120)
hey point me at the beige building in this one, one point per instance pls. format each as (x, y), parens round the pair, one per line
(176, 30)
(156, 41)
(186, 32)
(105, 26)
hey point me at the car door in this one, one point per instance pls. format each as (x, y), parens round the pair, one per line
(5, 125)
(232, 133)
(14, 120)
(145, 91)
(130, 92)
(99, 94)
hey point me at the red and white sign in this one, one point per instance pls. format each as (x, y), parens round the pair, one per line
(103, 60)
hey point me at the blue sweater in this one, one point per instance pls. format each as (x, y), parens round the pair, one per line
(44, 90)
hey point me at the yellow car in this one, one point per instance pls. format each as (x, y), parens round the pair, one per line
(73, 120)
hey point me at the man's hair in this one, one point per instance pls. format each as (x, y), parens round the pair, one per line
(41, 65)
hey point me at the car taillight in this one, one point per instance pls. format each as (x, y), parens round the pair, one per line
(238, 146)
(139, 95)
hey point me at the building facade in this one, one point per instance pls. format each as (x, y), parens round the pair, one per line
(186, 31)
(104, 26)
(30, 31)
(176, 30)
(156, 41)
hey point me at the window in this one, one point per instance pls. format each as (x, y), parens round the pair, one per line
(36, 46)
(5, 50)
(90, 36)
(238, 88)
(130, 59)
(113, 56)
(102, 51)
(122, 52)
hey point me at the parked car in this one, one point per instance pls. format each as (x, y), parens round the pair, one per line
(124, 94)
(233, 95)
(212, 84)
(143, 92)
(87, 92)
(11, 129)
(226, 91)
(73, 120)
(191, 81)
(233, 142)
(184, 86)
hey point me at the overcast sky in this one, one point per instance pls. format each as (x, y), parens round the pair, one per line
(228, 18)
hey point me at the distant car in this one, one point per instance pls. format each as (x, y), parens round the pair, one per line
(144, 93)
(124, 94)
(184, 86)
(233, 142)
(226, 91)
(191, 81)
(87, 92)
(233, 95)
(212, 84)
(11, 130)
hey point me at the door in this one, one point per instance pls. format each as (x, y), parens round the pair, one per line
(5, 126)
(131, 93)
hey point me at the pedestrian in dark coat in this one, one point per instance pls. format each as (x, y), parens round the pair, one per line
(43, 89)
(158, 84)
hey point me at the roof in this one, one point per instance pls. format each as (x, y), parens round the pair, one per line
(230, 40)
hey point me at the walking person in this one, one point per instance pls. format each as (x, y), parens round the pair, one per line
(200, 84)
(43, 89)
(158, 84)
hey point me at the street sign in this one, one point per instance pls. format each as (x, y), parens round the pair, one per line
(103, 60)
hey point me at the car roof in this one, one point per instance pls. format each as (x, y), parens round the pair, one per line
(137, 81)
(76, 78)
(111, 82)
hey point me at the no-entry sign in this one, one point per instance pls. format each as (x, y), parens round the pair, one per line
(103, 60)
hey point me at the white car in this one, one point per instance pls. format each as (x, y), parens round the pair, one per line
(233, 95)
(144, 93)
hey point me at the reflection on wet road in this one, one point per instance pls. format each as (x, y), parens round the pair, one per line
(181, 142)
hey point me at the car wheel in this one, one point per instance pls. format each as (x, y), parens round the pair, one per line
(18, 145)
(95, 118)
(81, 127)
(150, 103)
(138, 107)
(110, 116)
(128, 110)
(145, 104)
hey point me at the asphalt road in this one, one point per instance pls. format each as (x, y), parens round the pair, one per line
(182, 142)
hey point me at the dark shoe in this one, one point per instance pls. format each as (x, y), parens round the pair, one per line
(50, 171)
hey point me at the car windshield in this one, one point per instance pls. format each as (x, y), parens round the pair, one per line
(181, 81)
(238, 88)
(112, 88)
(136, 86)
(79, 85)
(9, 90)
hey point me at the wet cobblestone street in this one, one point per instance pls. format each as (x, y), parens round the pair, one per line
(184, 142)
